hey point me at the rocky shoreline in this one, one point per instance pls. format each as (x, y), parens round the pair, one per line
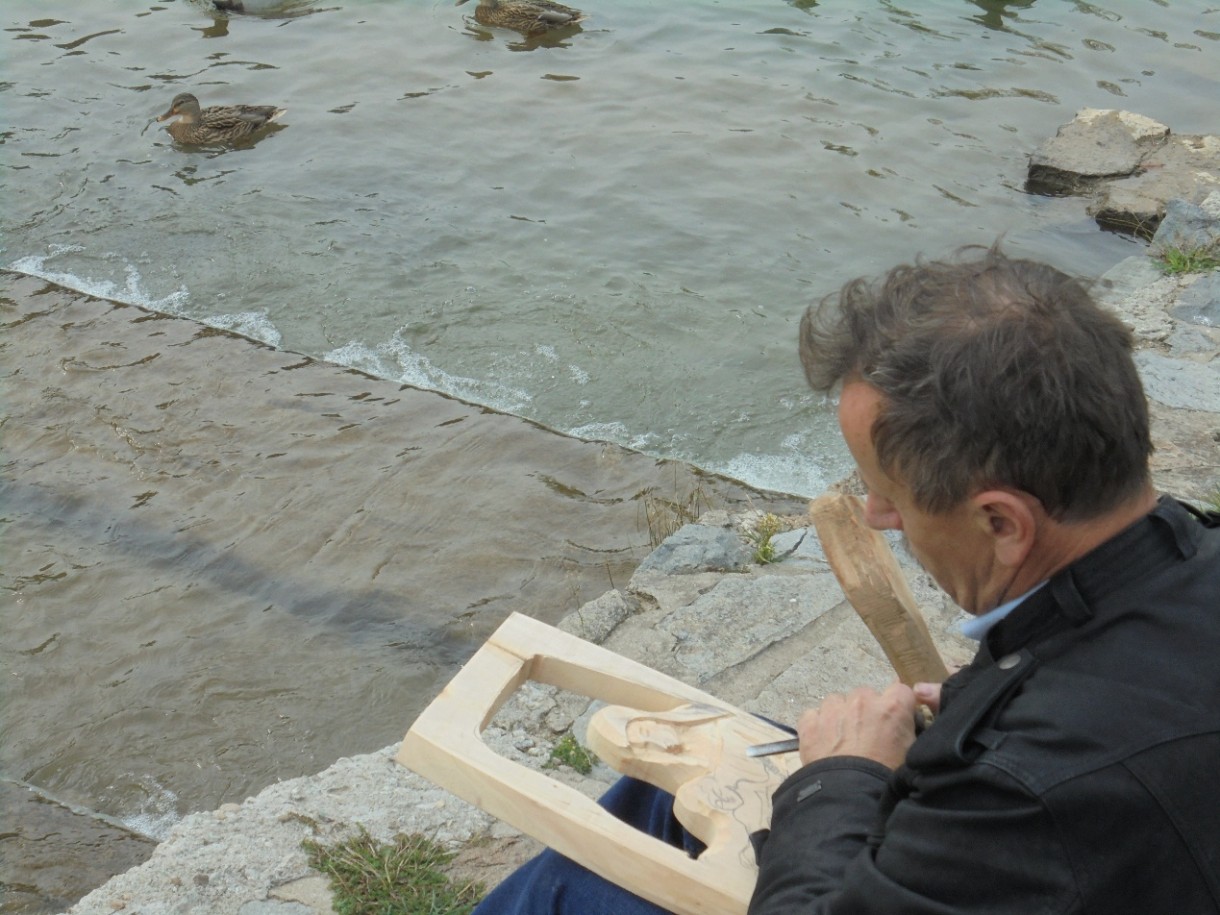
(771, 638)
(681, 613)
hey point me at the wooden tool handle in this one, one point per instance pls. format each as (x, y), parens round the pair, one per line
(874, 584)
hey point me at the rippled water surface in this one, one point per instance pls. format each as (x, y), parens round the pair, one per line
(612, 233)
(222, 568)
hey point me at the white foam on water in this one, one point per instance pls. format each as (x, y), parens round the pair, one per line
(793, 470)
(796, 469)
(549, 353)
(356, 355)
(158, 810)
(253, 324)
(618, 433)
(397, 361)
(130, 293)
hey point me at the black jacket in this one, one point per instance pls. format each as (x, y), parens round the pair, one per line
(1074, 766)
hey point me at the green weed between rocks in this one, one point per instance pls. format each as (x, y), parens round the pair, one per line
(764, 550)
(568, 752)
(404, 877)
(1177, 260)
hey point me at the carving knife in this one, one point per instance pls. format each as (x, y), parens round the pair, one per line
(923, 717)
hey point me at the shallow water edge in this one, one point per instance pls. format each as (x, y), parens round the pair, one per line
(230, 565)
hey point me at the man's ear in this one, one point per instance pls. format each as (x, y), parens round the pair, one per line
(1011, 522)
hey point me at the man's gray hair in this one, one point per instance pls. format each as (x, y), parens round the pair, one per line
(994, 372)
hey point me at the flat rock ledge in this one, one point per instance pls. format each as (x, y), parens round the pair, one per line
(1129, 165)
(770, 638)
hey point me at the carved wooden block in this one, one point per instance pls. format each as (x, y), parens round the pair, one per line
(658, 729)
(695, 742)
(697, 753)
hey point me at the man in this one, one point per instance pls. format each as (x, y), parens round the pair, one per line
(997, 419)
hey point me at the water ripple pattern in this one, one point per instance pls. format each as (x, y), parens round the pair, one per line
(652, 198)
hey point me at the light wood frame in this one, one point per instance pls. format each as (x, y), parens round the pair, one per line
(445, 745)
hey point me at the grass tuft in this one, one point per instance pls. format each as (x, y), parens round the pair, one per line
(403, 877)
(1174, 261)
(666, 515)
(568, 752)
(764, 549)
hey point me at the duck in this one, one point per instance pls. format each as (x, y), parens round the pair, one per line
(217, 124)
(531, 17)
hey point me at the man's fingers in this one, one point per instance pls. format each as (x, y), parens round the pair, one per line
(928, 694)
(879, 726)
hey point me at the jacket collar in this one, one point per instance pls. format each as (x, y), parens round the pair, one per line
(1166, 535)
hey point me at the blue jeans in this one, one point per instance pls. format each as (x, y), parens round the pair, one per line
(551, 884)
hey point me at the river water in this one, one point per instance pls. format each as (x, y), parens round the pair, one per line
(612, 234)
(222, 569)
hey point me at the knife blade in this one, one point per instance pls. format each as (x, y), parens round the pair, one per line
(923, 718)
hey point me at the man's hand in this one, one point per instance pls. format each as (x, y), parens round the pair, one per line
(929, 694)
(877, 726)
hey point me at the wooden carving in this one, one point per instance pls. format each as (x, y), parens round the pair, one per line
(658, 729)
(697, 753)
(695, 741)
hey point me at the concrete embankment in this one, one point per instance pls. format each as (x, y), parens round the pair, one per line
(227, 565)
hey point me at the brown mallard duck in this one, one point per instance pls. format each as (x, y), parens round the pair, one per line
(217, 124)
(531, 17)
